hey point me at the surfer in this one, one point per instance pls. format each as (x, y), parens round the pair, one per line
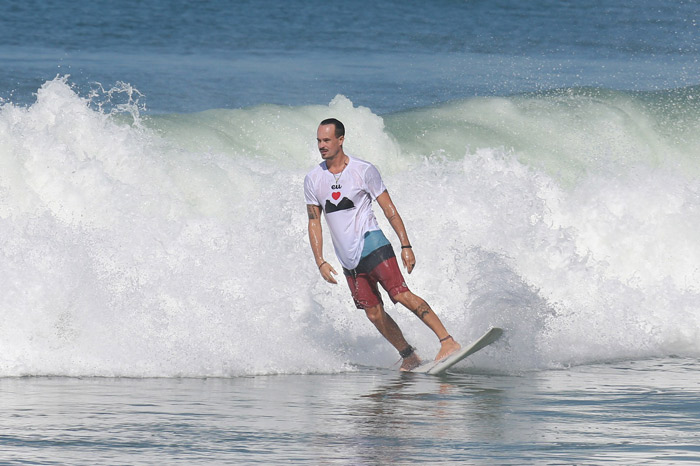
(343, 187)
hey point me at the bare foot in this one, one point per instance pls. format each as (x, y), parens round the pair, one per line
(448, 347)
(410, 362)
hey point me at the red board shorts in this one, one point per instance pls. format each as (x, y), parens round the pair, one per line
(380, 266)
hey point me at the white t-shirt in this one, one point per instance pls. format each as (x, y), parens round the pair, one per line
(347, 204)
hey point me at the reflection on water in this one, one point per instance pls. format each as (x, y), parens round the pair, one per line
(412, 416)
(625, 412)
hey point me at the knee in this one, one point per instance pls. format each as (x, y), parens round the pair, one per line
(409, 300)
(375, 313)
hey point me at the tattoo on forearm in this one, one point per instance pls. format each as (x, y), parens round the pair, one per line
(313, 212)
(422, 310)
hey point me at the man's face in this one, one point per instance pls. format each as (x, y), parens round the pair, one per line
(328, 145)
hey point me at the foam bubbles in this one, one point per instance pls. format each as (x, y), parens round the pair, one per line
(176, 246)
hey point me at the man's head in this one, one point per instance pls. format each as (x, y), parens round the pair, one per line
(330, 136)
(339, 126)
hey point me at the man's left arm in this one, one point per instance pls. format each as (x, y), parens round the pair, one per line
(387, 205)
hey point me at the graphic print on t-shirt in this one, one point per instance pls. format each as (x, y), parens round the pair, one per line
(344, 204)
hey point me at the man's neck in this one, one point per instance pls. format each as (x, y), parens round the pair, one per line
(337, 164)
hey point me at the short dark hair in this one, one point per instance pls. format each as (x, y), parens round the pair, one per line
(339, 127)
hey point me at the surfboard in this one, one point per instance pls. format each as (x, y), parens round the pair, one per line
(441, 366)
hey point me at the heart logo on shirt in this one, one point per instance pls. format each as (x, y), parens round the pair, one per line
(335, 195)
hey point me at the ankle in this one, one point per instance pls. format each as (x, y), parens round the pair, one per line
(407, 352)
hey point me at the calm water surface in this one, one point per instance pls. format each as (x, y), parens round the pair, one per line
(643, 412)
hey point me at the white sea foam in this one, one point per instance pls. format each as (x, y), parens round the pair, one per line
(178, 246)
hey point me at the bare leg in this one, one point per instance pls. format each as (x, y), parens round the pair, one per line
(391, 331)
(420, 308)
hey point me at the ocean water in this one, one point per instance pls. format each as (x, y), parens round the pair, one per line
(635, 412)
(160, 304)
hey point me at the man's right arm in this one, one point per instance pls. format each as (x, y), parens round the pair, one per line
(316, 241)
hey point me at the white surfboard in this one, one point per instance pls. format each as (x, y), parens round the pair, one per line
(439, 367)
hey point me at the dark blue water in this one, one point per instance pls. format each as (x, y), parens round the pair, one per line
(389, 56)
